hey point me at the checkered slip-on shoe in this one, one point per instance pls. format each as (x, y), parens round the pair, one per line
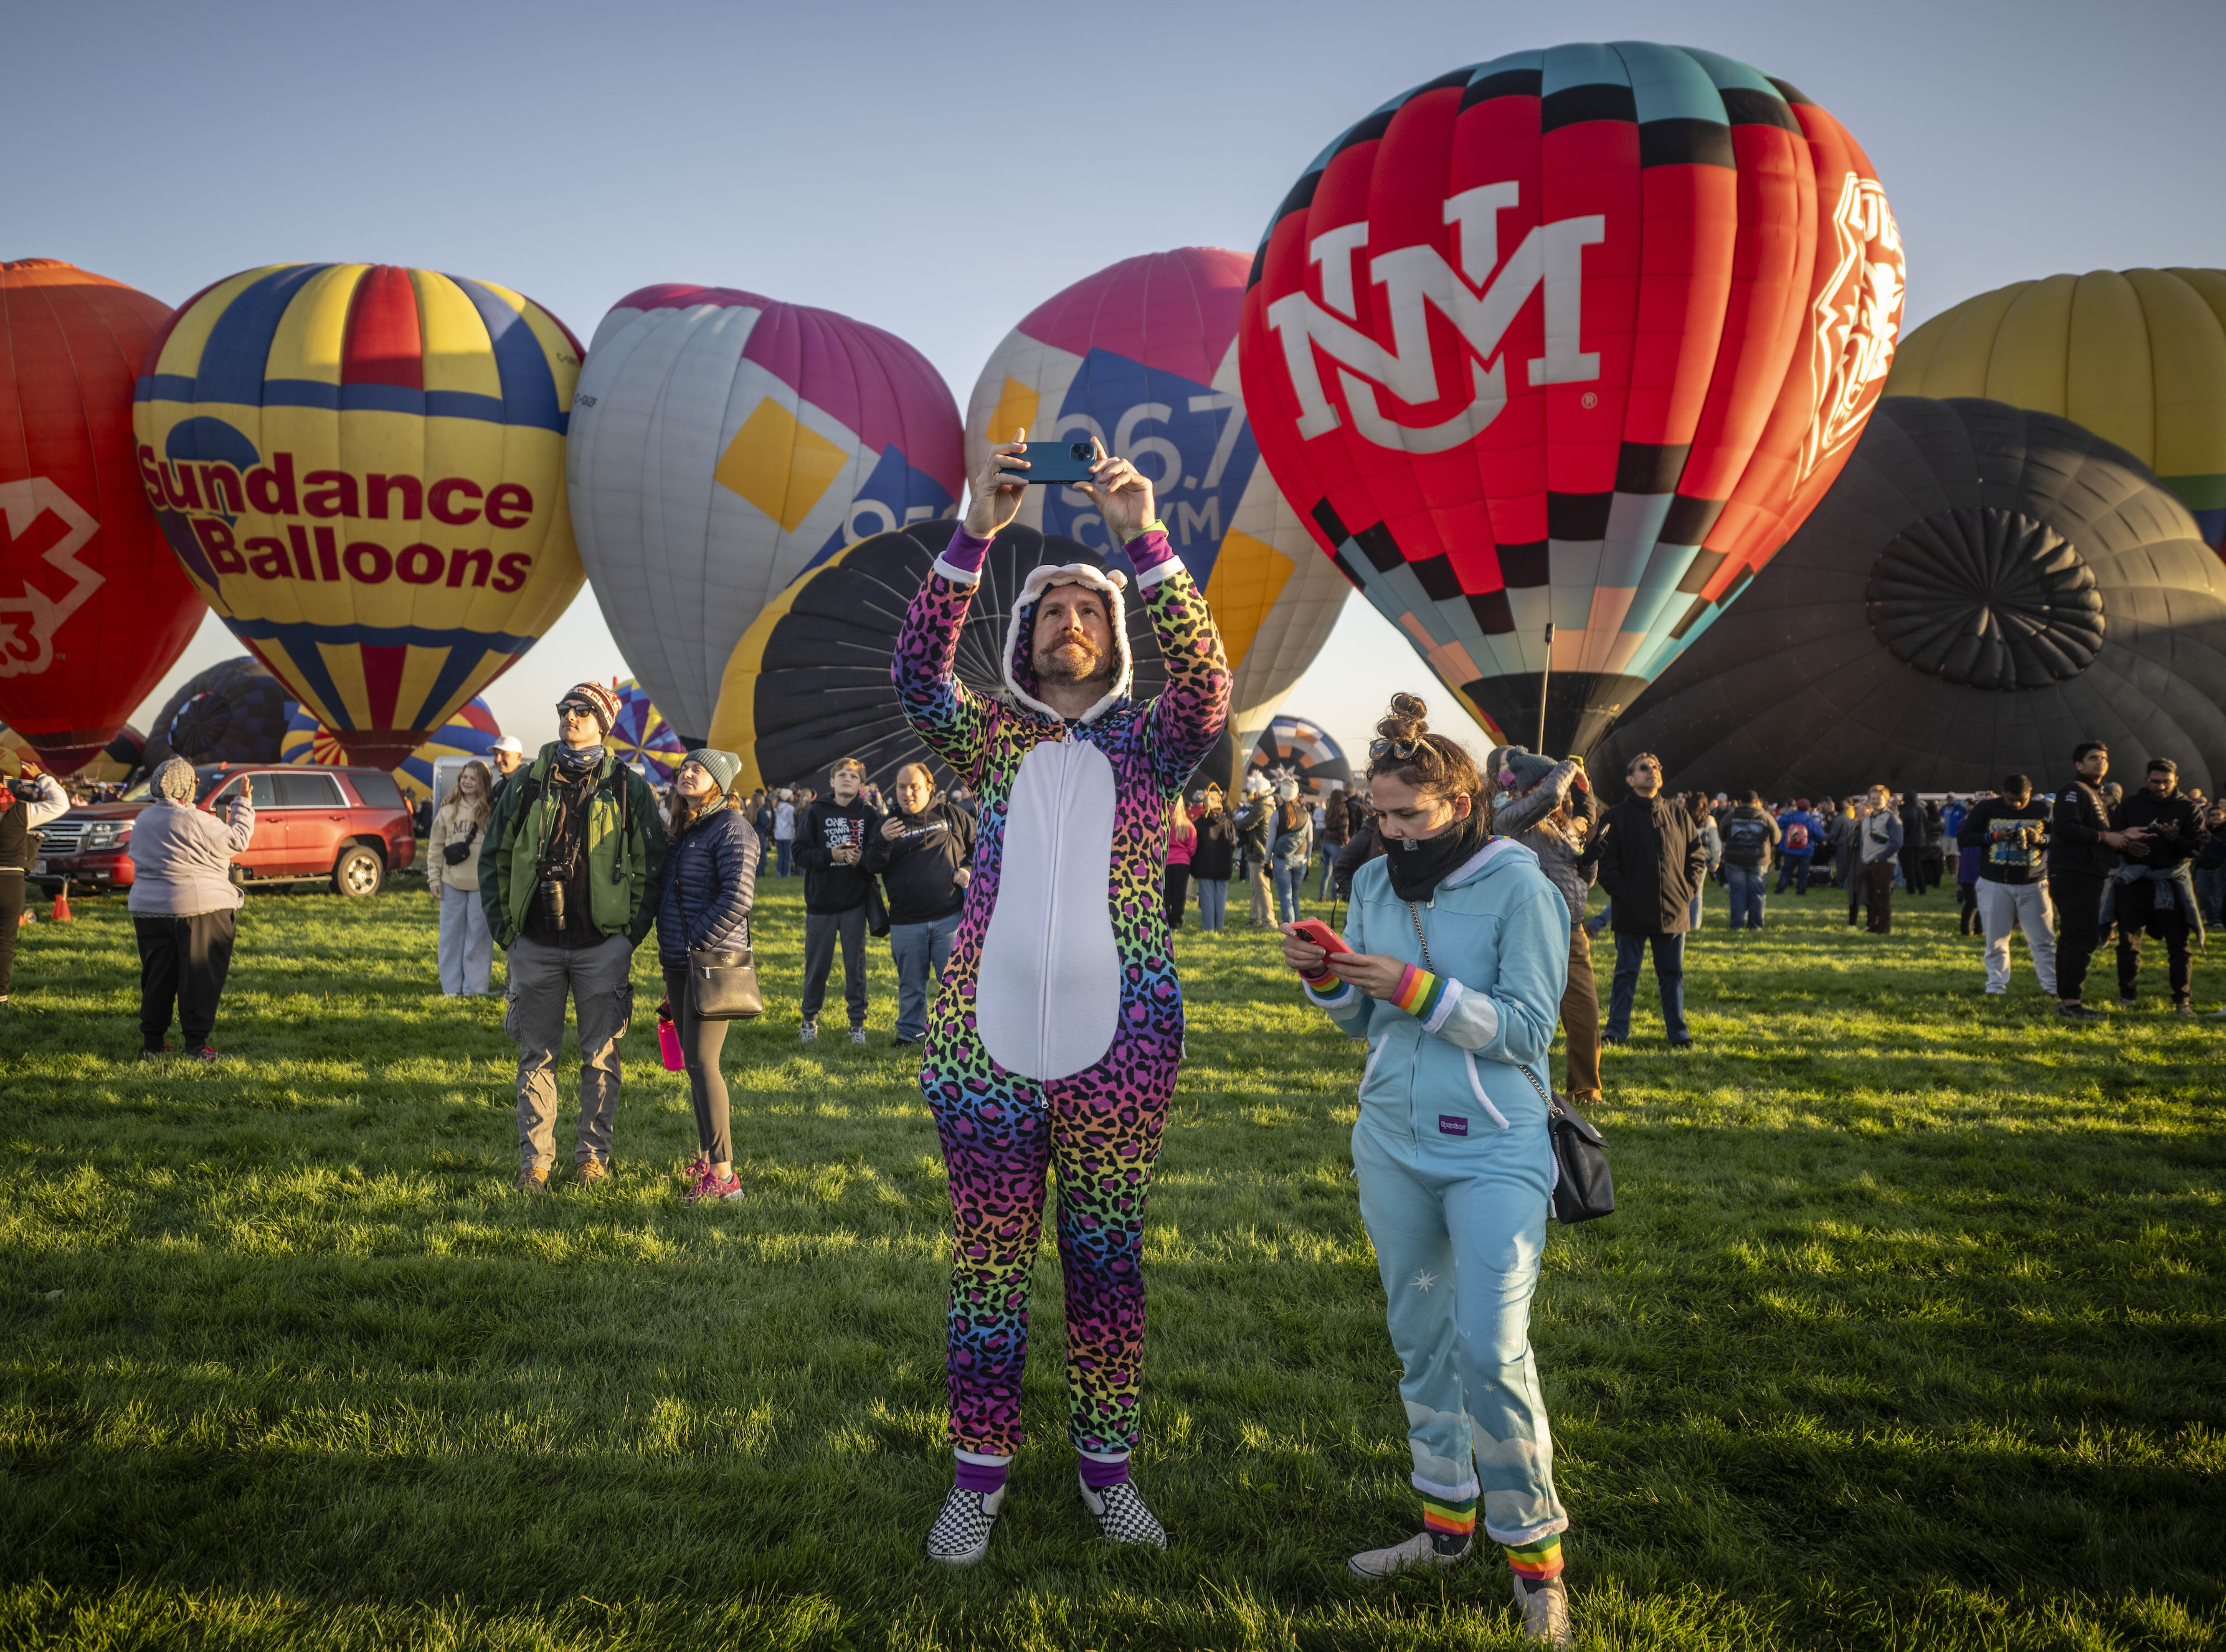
(1121, 1516)
(1420, 1550)
(960, 1535)
(1545, 1614)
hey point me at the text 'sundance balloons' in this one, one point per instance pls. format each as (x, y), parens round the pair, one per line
(471, 733)
(93, 608)
(2137, 356)
(1142, 356)
(722, 443)
(1576, 336)
(362, 466)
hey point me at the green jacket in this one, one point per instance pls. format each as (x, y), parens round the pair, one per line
(623, 866)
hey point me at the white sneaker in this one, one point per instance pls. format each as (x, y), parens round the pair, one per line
(960, 1535)
(1545, 1614)
(857, 1035)
(810, 1032)
(1121, 1515)
(1421, 1549)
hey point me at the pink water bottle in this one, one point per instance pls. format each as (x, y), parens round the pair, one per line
(668, 1040)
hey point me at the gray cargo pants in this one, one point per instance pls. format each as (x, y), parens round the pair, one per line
(598, 981)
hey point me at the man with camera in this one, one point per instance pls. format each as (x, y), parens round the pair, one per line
(2153, 894)
(33, 798)
(2010, 831)
(566, 866)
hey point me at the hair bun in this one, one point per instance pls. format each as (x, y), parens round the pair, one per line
(1407, 718)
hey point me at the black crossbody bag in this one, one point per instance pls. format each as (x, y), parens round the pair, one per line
(1583, 1188)
(723, 982)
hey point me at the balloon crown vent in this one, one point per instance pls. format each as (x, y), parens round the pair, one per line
(1988, 597)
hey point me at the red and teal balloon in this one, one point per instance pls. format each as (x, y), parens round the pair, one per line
(1574, 337)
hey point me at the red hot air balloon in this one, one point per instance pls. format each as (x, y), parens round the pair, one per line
(1577, 337)
(93, 606)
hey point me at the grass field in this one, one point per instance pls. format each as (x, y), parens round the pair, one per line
(1908, 1333)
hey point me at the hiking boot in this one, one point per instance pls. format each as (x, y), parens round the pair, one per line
(960, 1535)
(2183, 1009)
(2080, 1012)
(1420, 1550)
(2125, 1002)
(1680, 1043)
(1545, 1609)
(1122, 1517)
(533, 1181)
(592, 1170)
(810, 1032)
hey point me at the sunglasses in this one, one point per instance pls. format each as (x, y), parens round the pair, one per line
(1402, 749)
(575, 708)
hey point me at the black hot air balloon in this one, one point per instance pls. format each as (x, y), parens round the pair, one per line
(1982, 589)
(234, 712)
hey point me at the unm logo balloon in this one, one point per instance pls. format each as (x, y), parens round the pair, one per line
(362, 468)
(1575, 337)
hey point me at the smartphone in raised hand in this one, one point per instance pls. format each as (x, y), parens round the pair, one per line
(1065, 462)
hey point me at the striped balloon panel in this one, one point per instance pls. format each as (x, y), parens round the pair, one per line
(1142, 356)
(1573, 338)
(641, 736)
(2137, 356)
(471, 732)
(361, 466)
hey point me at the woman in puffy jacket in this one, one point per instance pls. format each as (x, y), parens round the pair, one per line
(1459, 953)
(704, 892)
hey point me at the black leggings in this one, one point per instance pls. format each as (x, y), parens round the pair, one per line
(12, 915)
(700, 1043)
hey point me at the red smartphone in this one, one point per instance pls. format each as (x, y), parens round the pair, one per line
(1313, 929)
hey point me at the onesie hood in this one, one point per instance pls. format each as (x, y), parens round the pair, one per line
(1020, 663)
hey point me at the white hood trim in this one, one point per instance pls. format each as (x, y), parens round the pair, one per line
(1073, 574)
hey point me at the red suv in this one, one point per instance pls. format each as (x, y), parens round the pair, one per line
(350, 826)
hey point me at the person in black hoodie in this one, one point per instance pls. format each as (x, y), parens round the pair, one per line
(1652, 859)
(830, 844)
(924, 854)
(2082, 852)
(2010, 832)
(2153, 892)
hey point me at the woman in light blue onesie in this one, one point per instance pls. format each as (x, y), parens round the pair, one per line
(1459, 955)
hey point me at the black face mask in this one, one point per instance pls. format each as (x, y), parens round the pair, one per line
(1419, 865)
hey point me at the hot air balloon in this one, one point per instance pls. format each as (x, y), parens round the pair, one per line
(809, 682)
(1573, 338)
(2137, 356)
(93, 608)
(642, 738)
(1982, 589)
(471, 733)
(117, 760)
(1304, 752)
(1143, 357)
(721, 443)
(234, 712)
(362, 468)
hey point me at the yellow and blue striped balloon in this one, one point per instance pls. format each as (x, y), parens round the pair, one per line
(362, 468)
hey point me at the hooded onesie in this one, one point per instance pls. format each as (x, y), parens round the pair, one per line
(1057, 1033)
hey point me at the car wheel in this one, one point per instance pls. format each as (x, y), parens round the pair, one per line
(358, 873)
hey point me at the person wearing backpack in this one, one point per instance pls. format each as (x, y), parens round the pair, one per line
(1750, 834)
(1799, 833)
(452, 872)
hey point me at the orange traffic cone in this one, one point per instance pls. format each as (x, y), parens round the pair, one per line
(61, 905)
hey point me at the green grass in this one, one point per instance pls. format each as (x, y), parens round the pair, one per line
(1908, 1333)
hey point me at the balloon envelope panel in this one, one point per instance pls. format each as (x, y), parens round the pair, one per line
(1305, 751)
(233, 712)
(641, 736)
(1142, 356)
(2137, 356)
(1983, 589)
(93, 608)
(471, 733)
(361, 466)
(1573, 337)
(721, 443)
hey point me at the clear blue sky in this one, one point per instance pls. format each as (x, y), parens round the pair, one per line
(847, 155)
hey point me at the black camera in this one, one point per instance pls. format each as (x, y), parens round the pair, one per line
(28, 790)
(549, 893)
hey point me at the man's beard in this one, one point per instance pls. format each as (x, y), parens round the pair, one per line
(1085, 665)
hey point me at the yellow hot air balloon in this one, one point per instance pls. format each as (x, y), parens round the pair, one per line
(362, 466)
(2137, 356)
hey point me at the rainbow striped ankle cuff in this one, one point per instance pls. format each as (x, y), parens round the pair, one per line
(1537, 1562)
(1454, 1519)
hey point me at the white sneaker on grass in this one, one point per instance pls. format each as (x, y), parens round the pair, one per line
(810, 1032)
(960, 1535)
(1121, 1515)
(857, 1035)
(1420, 1550)
(1545, 1614)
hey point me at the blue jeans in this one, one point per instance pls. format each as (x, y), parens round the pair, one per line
(1747, 883)
(1669, 970)
(783, 845)
(1329, 870)
(1212, 902)
(921, 951)
(1290, 882)
(1795, 867)
(2210, 894)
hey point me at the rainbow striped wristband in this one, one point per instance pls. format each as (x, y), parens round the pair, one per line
(1419, 993)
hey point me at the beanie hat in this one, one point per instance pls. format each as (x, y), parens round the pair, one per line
(722, 767)
(174, 780)
(1517, 769)
(602, 700)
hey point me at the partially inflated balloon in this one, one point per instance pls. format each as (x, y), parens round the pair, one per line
(362, 468)
(642, 738)
(1292, 747)
(471, 733)
(93, 608)
(2137, 356)
(1142, 356)
(1575, 337)
(233, 712)
(722, 443)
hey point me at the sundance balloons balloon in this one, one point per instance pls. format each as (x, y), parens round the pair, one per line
(2137, 356)
(362, 468)
(722, 443)
(1143, 357)
(1573, 338)
(1982, 589)
(471, 733)
(93, 608)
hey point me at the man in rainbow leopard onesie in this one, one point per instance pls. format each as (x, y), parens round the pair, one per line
(1058, 1034)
